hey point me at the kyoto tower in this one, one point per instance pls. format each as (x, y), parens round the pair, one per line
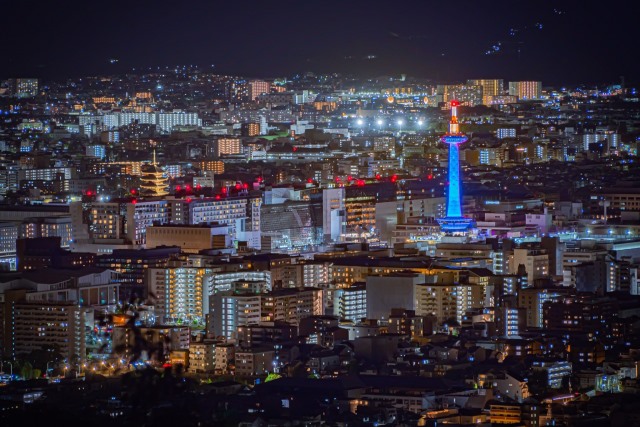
(454, 222)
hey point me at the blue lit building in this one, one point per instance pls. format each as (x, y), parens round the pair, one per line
(454, 222)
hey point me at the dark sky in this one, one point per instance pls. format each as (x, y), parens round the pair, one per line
(558, 42)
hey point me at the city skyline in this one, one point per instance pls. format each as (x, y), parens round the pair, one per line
(419, 214)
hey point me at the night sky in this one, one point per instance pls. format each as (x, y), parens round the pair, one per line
(558, 42)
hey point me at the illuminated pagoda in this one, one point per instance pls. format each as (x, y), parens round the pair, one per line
(454, 222)
(154, 181)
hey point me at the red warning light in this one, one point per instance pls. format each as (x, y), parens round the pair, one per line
(178, 187)
(360, 183)
(310, 180)
(350, 178)
(455, 103)
(198, 187)
(133, 191)
(224, 189)
(245, 186)
(188, 199)
(187, 187)
(429, 176)
(337, 179)
(295, 148)
(218, 197)
(259, 179)
(238, 186)
(378, 176)
(134, 201)
(394, 178)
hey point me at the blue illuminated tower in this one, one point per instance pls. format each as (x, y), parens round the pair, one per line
(454, 222)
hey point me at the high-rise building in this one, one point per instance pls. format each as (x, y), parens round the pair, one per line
(35, 325)
(490, 88)
(526, 90)
(132, 266)
(240, 214)
(454, 221)
(447, 301)
(181, 294)
(333, 213)
(533, 299)
(232, 309)
(536, 263)
(258, 87)
(225, 146)
(351, 303)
